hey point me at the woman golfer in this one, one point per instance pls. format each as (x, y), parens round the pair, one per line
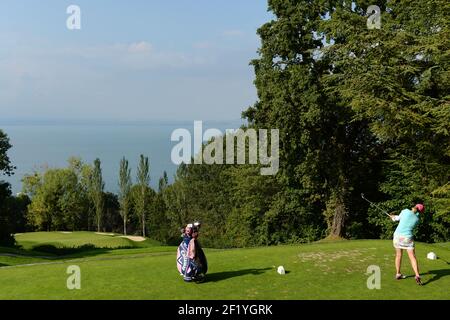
(403, 239)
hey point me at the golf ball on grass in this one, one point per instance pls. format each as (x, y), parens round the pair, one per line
(431, 256)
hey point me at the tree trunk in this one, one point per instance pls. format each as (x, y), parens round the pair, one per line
(340, 213)
(143, 225)
(125, 226)
(336, 212)
(339, 208)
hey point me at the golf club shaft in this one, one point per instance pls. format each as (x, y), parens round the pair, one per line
(370, 202)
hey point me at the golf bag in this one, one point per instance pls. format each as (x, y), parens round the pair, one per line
(191, 269)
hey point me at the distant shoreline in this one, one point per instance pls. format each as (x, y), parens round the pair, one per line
(51, 142)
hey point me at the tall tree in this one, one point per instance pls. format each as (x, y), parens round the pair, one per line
(5, 164)
(6, 237)
(6, 226)
(176, 200)
(98, 187)
(125, 192)
(163, 182)
(86, 173)
(113, 220)
(57, 199)
(143, 181)
(322, 147)
(397, 79)
(158, 222)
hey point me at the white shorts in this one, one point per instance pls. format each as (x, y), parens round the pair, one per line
(403, 242)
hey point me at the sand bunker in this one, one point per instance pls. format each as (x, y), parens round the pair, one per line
(134, 238)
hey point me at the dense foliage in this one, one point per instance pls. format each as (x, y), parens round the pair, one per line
(13, 210)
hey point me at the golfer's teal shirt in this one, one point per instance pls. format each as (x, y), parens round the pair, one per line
(408, 221)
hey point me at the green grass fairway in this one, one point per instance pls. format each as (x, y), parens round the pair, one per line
(61, 240)
(328, 270)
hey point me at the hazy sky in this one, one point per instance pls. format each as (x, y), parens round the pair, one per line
(131, 60)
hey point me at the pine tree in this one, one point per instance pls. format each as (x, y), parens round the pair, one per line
(125, 192)
(397, 78)
(98, 187)
(324, 150)
(143, 180)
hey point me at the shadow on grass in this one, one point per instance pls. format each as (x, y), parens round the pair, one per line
(219, 276)
(437, 274)
(84, 250)
(51, 252)
(3, 265)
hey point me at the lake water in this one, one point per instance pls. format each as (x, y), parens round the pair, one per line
(52, 144)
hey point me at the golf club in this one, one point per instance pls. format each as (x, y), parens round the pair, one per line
(362, 196)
